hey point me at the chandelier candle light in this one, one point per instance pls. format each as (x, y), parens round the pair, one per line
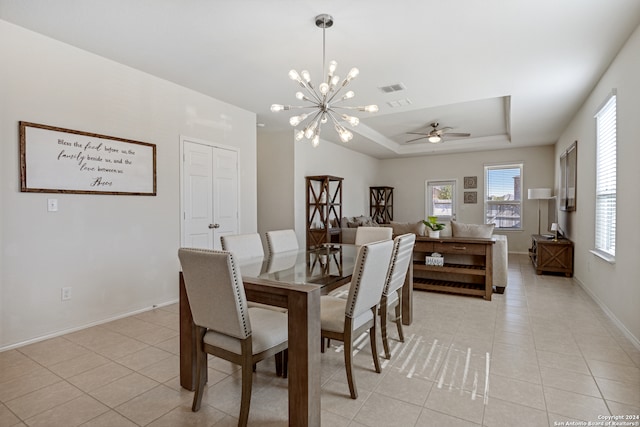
(324, 99)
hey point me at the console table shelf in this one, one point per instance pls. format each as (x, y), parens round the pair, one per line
(449, 286)
(472, 270)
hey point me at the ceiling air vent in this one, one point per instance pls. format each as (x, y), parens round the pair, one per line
(399, 103)
(392, 88)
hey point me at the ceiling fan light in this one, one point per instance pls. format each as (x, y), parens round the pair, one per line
(434, 139)
(349, 95)
(332, 67)
(353, 121)
(293, 75)
(296, 120)
(278, 107)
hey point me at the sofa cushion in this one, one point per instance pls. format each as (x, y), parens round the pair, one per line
(460, 229)
(366, 221)
(408, 227)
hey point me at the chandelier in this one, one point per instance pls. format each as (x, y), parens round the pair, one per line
(324, 100)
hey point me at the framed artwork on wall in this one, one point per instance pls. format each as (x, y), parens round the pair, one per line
(470, 182)
(568, 178)
(471, 197)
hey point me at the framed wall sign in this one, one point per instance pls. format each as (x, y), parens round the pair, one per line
(57, 160)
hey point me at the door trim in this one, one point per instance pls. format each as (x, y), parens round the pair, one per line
(183, 140)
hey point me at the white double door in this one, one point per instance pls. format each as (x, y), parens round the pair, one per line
(209, 193)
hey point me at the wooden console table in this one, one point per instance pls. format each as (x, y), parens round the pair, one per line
(467, 269)
(554, 256)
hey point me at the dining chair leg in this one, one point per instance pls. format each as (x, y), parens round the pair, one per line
(348, 361)
(383, 327)
(201, 373)
(374, 344)
(399, 317)
(245, 399)
(285, 363)
(278, 358)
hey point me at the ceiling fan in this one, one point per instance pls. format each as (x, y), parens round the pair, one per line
(436, 135)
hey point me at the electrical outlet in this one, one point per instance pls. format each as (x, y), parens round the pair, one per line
(52, 205)
(66, 293)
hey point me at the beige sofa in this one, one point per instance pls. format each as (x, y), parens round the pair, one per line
(349, 225)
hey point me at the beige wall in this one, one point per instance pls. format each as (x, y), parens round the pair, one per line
(275, 181)
(118, 253)
(616, 287)
(409, 175)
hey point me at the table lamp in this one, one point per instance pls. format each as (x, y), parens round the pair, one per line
(537, 194)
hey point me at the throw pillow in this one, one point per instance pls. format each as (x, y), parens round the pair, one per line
(471, 230)
(407, 227)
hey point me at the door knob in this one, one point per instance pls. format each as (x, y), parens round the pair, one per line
(214, 225)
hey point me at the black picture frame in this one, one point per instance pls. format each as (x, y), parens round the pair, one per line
(569, 178)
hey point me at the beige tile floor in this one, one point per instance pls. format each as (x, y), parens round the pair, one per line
(539, 355)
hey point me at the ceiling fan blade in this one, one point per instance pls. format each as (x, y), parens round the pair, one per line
(461, 135)
(416, 139)
(417, 133)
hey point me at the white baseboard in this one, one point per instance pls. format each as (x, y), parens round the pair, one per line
(634, 340)
(88, 325)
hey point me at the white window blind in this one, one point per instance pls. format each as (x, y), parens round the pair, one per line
(605, 232)
(503, 196)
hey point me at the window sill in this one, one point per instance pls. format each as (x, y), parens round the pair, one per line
(605, 256)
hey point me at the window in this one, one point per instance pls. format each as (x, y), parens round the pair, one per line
(440, 200)
(503, 191)
(606, 137)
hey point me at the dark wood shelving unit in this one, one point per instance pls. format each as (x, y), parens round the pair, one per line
(381, 204)
(324, 210)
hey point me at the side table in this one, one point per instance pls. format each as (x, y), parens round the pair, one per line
(554, 256)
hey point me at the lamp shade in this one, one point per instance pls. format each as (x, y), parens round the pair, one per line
(554, 226)
(539, 193)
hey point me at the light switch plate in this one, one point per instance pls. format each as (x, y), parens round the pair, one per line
(52, 205)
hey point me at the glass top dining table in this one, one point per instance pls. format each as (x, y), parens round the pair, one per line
(328, 266)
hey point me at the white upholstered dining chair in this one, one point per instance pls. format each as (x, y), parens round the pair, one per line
(243, 246)
(249, 253)
(372, 234)
(401, 256)
(346, 319)
(227, 327)
(281, 241)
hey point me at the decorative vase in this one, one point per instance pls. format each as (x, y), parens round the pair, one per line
(434, 234)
